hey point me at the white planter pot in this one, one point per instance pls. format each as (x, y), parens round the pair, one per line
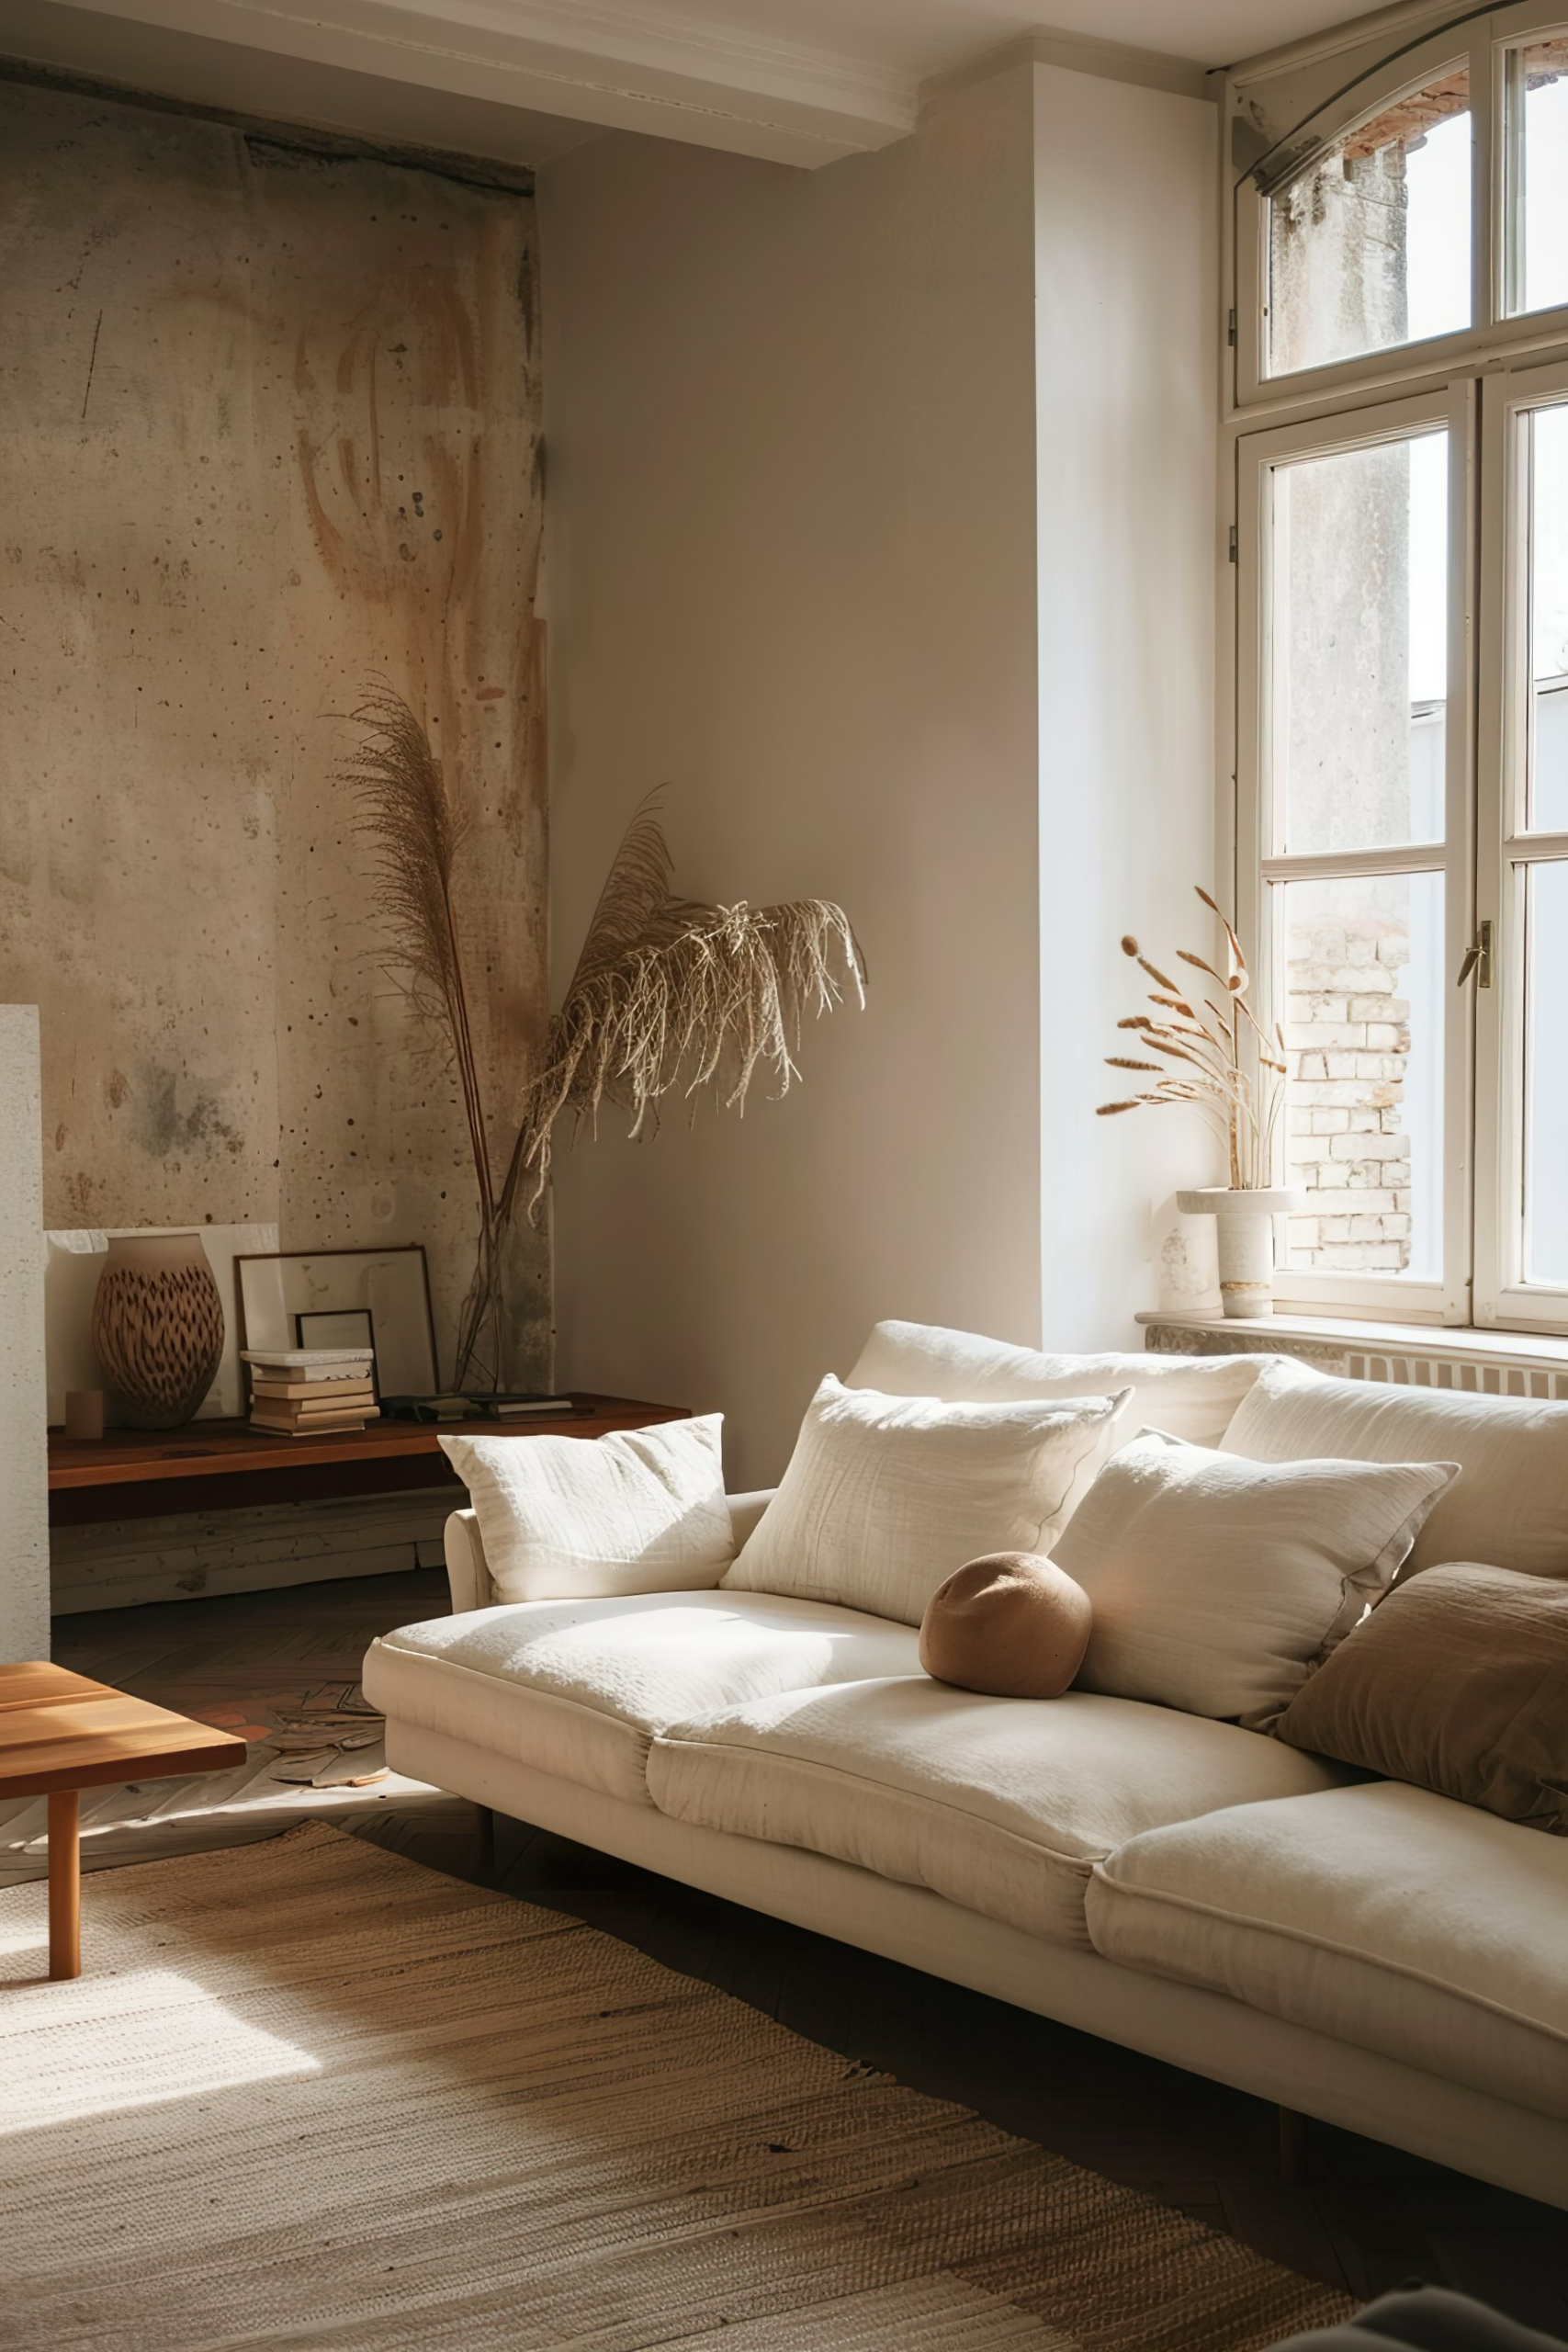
(1246, 1235)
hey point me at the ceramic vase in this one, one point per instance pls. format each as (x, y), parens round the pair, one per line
(1246, 1237)
(158, 1327)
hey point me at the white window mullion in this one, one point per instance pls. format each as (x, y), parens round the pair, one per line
(1459, 1041)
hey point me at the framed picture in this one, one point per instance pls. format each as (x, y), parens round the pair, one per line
(345, 1298)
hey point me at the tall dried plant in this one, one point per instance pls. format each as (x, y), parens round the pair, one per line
(667, 994)
(1231, 1071)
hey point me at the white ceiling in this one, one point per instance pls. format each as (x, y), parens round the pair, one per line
(796, 81)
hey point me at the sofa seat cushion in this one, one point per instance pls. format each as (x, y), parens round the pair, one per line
(1382, 1915)
(1003, 1804)
(580, 1688)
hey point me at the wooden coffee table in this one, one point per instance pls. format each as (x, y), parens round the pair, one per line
(60, 1733)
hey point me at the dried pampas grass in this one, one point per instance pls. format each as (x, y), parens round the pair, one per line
(668, 994)
(1235, 1070)
(671, 995)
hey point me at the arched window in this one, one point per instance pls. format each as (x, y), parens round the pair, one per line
(1399, 437)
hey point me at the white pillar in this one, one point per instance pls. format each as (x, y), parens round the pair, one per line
(23, 1460)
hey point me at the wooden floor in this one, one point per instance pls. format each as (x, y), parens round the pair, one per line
(1366, 2218)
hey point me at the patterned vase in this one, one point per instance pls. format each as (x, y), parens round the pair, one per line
(158, 1327)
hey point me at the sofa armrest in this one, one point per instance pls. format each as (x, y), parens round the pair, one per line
(745, 1511)
(468, 1572)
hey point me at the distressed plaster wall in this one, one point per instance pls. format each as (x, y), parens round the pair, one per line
(271, 428)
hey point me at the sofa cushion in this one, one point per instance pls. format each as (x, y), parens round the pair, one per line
(1193, 1397)
(1218, 1584)
(638, 1510)
(1380, 1915)
(1458, 1683)
(1001, 1804)
(884, 1497)
(579, 1688)
(1510, 1505)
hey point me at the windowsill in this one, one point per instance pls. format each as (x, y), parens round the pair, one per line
(1457, 1341)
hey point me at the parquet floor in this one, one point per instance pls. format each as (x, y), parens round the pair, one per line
(1366, 2218)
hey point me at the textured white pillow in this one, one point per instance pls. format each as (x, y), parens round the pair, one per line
(640, 1510)
(1218, 1585)
(1509, 1509)
(884, 1497)
(1192, 1397)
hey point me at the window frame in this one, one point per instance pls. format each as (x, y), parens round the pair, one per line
(1476, 380)
(1477, 43)
(1507, 845)
(1357, 426)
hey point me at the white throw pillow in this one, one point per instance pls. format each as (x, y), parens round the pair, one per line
(1509, 1509)
(1192, 1397)
(1218, 1585)
(640, 1510)
(884, 1497)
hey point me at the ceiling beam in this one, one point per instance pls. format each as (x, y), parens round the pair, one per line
(573, 59)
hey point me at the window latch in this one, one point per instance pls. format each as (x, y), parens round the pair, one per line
(1478, 958)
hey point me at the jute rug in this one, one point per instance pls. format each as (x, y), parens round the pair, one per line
(311, 2094)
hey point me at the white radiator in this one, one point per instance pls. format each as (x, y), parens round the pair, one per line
(1430, 1368)
(1414, 1356)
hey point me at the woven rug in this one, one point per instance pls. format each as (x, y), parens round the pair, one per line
(311, 2094)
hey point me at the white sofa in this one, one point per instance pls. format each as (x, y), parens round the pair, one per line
(1360, 1951)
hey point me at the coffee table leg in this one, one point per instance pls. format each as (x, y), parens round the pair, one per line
(64, 1883)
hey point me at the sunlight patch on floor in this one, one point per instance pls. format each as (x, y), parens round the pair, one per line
(162, 2035)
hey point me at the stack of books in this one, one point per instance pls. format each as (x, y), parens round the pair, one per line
(306, 1392)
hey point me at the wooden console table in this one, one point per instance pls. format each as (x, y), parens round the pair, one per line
(227, 1466)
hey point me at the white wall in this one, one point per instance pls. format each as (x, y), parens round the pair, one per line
(791, 431)
(24, 1498)
(1127, 279)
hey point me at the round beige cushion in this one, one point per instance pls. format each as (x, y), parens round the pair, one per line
(1009, 1624)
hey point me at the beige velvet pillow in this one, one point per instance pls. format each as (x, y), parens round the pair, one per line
(1011, 1624)
(1458, 1682)
(1218, 1585)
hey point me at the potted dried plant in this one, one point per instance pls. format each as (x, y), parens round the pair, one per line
(1218, 1059)
(668, 993)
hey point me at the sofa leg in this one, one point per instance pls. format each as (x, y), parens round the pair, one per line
(1293, 2147)
(486, 1840)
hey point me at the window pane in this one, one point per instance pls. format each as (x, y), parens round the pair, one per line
(1547, 477)
(1362, 965)
(1370, 247)
(1538, 97)
(1360, 646)
(1546, 1075)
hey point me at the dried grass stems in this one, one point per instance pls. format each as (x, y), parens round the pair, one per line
(722, 996)
(406, 812)
(1233, 1071)
(669, 993)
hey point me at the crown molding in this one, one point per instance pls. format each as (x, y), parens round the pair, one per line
(1110, 60)
(594, 63)
(1411, 19)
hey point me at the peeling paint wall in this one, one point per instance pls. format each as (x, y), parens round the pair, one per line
(271, 427)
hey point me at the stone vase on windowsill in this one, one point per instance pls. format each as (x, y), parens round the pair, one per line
(1246, 1237)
